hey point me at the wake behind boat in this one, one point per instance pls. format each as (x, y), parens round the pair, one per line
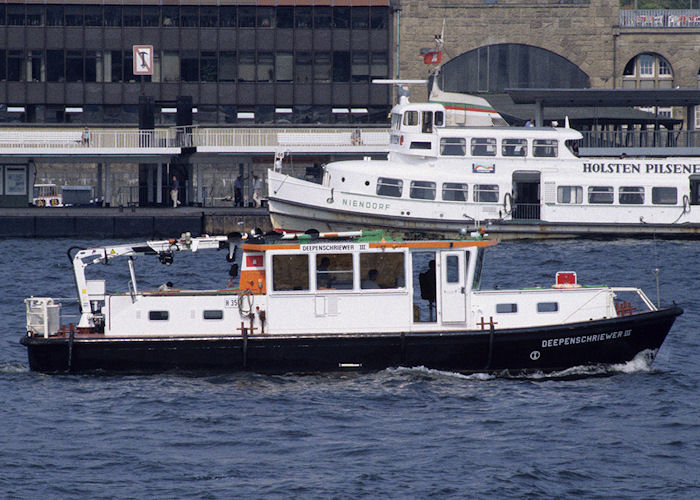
(336, 302)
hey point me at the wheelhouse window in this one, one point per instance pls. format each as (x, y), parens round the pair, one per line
(483, 146)
(547, 307)
(410, 118)
(290, 272)
(486, 193)
(158, 315)
(506, 308)
(439, 119)
(213, 314)
(396, 121)
(514, 147)
(334, 271)
(570, 194)
(453, 146)
(454, 191)
(545, 148)
(422, 190)
(631, 195)
(600, 194)
(382, 270)
(389, 187)
(664, 195)
(452, 269)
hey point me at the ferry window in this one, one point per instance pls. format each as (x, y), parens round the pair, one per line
(600, 194)
(382, 270)
(514, 147)
(453, 146)
(290, 272)
(213, 314)
(486, 193)
(545, 148)
(547, 307)
(454, 191)
(664, 195)
(422, 190)
(506, 308)
(421, 145)
(158, 315)
(389, 187)
(396, 121)
(410, 118)
(570, 194)
(478, 266)
(452, 269)
(427, 122)
(334, 271)
(439, 118)
(631, 195)
(483, 146)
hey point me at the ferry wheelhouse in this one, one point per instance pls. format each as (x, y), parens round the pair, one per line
(442, 175)
(338, 302)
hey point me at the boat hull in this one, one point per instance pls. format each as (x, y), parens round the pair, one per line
(541, 349)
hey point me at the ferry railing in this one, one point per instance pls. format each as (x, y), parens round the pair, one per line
(525, 211)
(646, 18)
(641, 139)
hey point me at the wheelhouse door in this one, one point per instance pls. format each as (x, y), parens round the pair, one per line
(453, 289)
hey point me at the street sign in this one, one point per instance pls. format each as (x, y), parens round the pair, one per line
(143, 60)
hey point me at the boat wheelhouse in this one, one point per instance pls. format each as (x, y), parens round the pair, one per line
(339, 302)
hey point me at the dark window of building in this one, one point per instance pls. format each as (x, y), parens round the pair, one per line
(114, 67)
(246, 66)
(360, 18)
(54, 66)
(158, 315)
(378, 18)
(322, 17)
(129, 67)
(15, 15)
(284, 64)
(113, 15)
(266, 17)
(285, 17)
(54, 15)
(360, 66)
(132, 15)
(35, 15)
(322, 67)
(227, 16)
(74, 15)
(189, 16)
(171, 16)
(74, 66)
(213, 314)
(93, 15)
(3, 66)
(55, 114)
(341, 17)
(171, 66)
(265, 67)
(303, 17)
(208, 16)
(389, 187)
(341, 66)
(14, 65)
(3, 18)
(151, 16)
(380, 65)
(246, 17)
(189, 66)
(303, 67)
(208, 70)
(91, 66)
(227, 66)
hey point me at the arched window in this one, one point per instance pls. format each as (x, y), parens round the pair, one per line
(647, 71)
(493, 68)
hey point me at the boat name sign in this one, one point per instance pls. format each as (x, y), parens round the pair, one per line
(586, 338)
(636, 168)
(334, 247)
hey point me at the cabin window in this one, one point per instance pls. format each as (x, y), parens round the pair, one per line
(422, 190)
(483, 146)
(569, 194)
(664, 195)
(382, 270)
(545, 148)
(290, 272)
(410, 118)
(506, 308)
(454, 191)
(389, 187)
(600, 194)
(452, 269)
(486, 193)
(547, 307)
(158, 315)
(478, 266)
(396, 121)
(514, 147)
(427, 122)
(213, 314)
(421, 145)
(334, 271)
(439, 118)
(453, 146)
(631, 195)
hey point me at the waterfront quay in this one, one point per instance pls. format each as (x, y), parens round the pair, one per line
(128, 222)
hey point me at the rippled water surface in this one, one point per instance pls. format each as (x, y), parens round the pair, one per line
(633, 432)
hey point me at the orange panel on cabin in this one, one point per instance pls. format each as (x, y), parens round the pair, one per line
(253, 280)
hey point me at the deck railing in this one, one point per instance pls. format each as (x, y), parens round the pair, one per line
(280, 137)
(95, 138)
(660, 18)
(641, 139)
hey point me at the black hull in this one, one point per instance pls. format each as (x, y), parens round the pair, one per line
(544, 349)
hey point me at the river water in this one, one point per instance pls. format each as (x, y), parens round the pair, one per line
(631, 432)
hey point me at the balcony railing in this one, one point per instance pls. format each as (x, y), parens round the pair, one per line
(641, 139)
(660, 18)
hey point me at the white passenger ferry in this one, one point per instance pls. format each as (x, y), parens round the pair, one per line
(338, 302)
(441, 175)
